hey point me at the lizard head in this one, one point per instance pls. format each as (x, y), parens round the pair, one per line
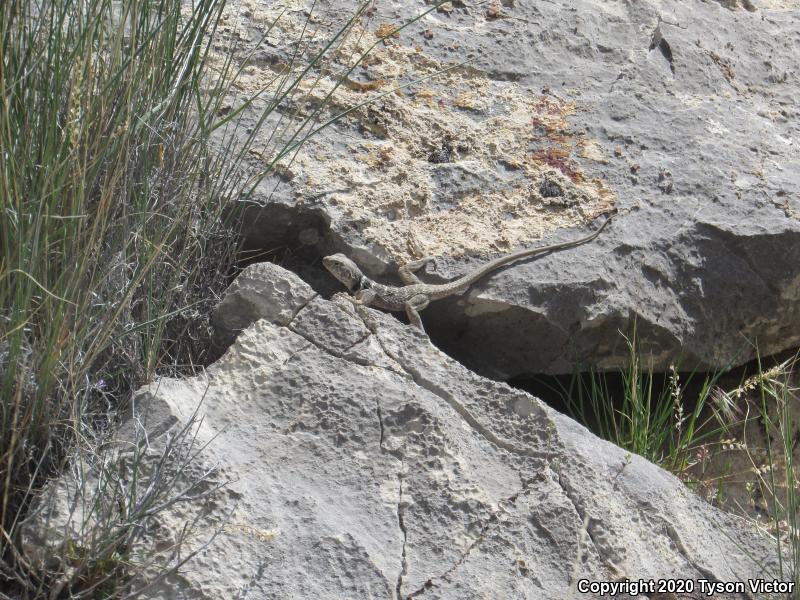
(344, 269)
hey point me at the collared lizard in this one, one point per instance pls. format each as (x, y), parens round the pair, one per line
(415, 295)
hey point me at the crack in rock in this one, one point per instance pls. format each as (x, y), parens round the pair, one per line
(511, 500)
(586, 521)
(380, 422)
(301, 307)
(669, 530)
(457, 406)
(356, 343)
(419, 379)
(401, 509)
(473, 422)
(675, 537)
(401, 506)
(343, 355)
(333, 352)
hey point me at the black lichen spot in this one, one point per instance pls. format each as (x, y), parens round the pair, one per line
(550, 188)
(440, 155)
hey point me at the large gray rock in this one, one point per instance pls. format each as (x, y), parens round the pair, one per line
(682, 114)
(365, 463)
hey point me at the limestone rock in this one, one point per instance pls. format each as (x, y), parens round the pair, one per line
(356, 479)
(254, 295)
(683, 115)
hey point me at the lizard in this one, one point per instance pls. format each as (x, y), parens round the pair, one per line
(415, 295)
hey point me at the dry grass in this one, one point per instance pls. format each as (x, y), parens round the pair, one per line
(119, 182)
(736, 447)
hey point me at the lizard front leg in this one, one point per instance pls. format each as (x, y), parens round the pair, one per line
(413, 306)
(364, 297)
(406, 272)
(361, 299)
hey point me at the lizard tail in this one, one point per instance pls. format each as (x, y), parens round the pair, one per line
(492, 265)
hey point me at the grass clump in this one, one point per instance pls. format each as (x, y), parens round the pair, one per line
(777, 399)
(734, 444)
(644, 416)
(123, 156)
(112, 241)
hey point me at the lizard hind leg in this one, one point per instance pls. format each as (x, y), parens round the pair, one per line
(408, 270)
(413, 306)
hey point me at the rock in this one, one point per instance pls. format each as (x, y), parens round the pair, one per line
(682, 115)
(401, 473)
(256, 293)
